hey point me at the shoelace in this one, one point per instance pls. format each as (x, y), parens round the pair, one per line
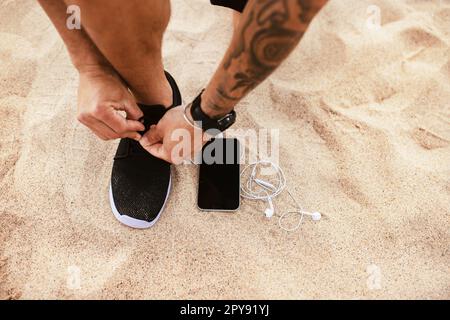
(134, 147)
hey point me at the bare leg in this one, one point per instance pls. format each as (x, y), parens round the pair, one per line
(236, 21)
(129, 34)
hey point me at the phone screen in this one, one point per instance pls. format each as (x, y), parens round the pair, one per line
(219, 186)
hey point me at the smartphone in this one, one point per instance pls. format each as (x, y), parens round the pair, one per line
(219, 176)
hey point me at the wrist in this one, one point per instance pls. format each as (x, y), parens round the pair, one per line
(216, 119)
(212, 107)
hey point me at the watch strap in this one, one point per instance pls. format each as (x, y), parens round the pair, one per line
(208, 123)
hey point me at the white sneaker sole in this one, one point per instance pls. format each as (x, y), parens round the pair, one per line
(132, 222)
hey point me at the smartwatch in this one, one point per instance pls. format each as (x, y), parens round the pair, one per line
(208, 123)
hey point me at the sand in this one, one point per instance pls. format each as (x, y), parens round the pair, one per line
(364, 122)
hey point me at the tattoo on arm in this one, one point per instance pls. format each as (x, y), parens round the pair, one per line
(270, 30)
(240, 46)
(224, 95)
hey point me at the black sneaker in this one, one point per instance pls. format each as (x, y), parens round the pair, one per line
(140, 182)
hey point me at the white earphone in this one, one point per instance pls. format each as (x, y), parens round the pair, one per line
(267, 191)
(316, 216)
(270, 210)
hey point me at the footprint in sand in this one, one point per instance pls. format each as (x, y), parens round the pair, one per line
(423, 46)
(415, 38)
(429, 140)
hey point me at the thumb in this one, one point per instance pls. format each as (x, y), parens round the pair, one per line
(158, 150)
(151, 137)
(132, 110)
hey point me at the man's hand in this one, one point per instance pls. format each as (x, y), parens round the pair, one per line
(101, 96)
(173, 139)
(101, 93)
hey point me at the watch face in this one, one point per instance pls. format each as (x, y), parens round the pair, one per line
(207, 123)
(227, 121)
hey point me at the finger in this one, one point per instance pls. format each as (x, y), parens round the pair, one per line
(157, 150)
(107, 131)
(131, 135)
(132, 110)
(111, 134)
(151, 137)
(97, 127)
(102, 129)
(118, 123)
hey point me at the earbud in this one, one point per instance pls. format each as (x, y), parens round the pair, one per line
(316, 216)
(270, 210)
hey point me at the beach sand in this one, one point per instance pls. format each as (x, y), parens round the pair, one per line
(364, 123)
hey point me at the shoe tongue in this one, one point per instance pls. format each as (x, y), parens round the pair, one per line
(152, 115)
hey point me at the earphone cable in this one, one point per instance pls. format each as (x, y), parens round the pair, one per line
(267, 191)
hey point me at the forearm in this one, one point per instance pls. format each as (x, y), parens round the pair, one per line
(268, 32)
(82, 50)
